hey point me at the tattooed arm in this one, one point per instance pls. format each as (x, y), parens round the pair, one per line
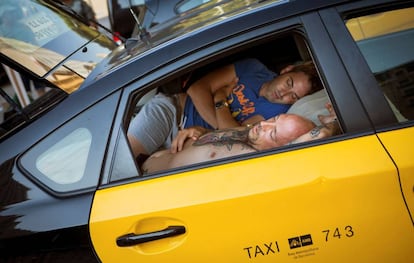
(194, 153)
(204, 136)
(329, 127)
(319, 132)
(226, 137)
(195, 148)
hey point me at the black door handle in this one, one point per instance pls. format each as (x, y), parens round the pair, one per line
(135, 239)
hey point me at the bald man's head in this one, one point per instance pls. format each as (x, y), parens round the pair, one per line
(278, 131)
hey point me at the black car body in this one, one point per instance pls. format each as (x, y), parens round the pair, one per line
(70, 187)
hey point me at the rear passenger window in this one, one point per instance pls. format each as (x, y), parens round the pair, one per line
(386, 41)
(70, 158)
(65, 161)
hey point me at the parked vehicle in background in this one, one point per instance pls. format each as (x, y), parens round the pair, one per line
(71, 189)
(44, 46)
(46, 42)
(149, 13)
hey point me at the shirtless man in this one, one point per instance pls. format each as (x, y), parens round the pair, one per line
(197, 144)
(237, 94)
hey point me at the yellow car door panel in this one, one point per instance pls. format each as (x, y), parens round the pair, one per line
(400, 145)
(335, 201)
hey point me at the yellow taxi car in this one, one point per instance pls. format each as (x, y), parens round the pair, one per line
(73, 191)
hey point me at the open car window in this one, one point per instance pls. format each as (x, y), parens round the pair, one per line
(385, 39)
(287, 49)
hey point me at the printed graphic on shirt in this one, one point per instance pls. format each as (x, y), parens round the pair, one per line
(245, 107)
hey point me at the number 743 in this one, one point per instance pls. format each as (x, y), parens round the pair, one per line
(347, 231)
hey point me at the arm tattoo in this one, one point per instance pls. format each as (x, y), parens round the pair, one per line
(226, 138)
(315, 131)
(312, 133)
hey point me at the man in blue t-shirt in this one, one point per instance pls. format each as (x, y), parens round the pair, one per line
(254, 95)
(238, 94)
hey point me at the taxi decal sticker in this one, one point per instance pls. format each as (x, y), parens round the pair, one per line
(303, 253)
(262, 250)
(301, 241)
(299, 246)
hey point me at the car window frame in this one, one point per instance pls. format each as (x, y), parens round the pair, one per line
(319, 42)
(372, 98)
(100, 132)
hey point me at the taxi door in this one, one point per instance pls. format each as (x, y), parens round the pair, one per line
(337, 201)
(400, 145)
(388, 52)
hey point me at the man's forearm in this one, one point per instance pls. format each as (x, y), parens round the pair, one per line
(224, 137)
(225, 119)
(203, 91)
(319, 132)
(223, 113)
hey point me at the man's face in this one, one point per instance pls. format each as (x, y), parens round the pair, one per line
(278, 131)
(286, 88)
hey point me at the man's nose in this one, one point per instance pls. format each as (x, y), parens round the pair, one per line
(285, 92)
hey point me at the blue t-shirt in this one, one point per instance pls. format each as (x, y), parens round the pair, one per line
(244, 101)
(192, 117)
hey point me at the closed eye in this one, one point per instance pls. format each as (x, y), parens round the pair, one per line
(289, 82)
(273, 134)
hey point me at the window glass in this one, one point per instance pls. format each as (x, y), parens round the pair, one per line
(186, 5)
(35, 34)
(65, 162)
(30, 32)
(29, 22)
(127, 3)
(386, 41)
(124, 164)
(70, 158)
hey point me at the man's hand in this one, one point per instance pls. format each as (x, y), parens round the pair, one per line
(329, 127)
(330, 123)
(325, 119)
(183, 135)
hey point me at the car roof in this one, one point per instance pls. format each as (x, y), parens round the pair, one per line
(183, 27)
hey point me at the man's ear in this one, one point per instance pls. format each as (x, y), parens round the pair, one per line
(287, 69)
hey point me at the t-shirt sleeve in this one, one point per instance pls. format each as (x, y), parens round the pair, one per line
(249, 66)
